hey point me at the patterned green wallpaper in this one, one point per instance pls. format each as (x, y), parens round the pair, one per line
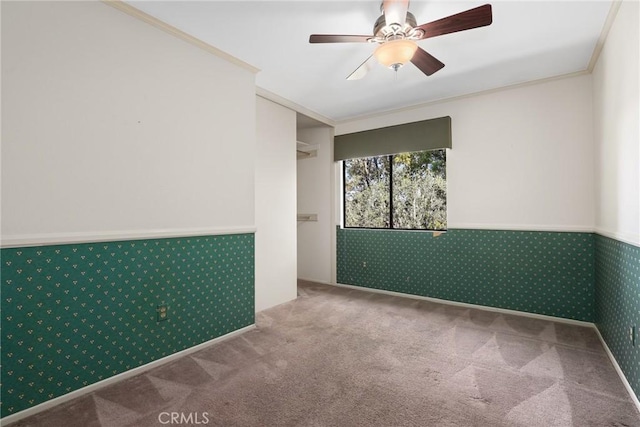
(537, 272)
(617, 288)
(73, 315)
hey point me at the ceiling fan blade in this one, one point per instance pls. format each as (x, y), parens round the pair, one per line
(473, 18)
(426, 62)
(337, 38)
(363, 69)
(395, 11)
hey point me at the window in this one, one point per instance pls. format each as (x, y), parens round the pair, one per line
(406, 191)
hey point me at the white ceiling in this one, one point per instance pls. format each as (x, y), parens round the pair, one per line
(528, 40)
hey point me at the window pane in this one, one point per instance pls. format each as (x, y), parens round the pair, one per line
(367, 192)
(420, 190)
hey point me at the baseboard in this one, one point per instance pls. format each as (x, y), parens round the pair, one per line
(467, 305)
(314, 281)
(634, 398)
(116, 378)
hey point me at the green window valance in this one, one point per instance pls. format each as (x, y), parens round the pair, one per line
(430, 134)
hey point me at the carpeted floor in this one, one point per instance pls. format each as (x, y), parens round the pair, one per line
(341, 357)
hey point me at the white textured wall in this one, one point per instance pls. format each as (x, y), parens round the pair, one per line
(275, 204)
(522, 158)
(314, 181)
(616, 97)
(111, 126)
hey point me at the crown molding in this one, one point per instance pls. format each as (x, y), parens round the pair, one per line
(161, 25)
(459, 97)
(608, 23)
(263, 93)
(270, 96)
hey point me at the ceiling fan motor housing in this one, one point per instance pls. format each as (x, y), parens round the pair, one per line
(389, 32)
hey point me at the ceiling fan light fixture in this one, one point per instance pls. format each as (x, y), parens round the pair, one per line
(395, 53)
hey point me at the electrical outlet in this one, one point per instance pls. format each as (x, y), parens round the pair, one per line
(162, 312)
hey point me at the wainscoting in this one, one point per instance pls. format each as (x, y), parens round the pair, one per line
(617, 295)
(547, 273)
(73, 315)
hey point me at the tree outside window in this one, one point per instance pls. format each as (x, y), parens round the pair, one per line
(406, 191)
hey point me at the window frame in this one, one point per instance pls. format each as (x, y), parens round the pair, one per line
(391, 227)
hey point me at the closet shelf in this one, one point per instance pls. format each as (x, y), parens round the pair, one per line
(301, 154)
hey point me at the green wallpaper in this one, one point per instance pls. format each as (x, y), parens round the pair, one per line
(617, 287)
(537, 272)
(73, 315)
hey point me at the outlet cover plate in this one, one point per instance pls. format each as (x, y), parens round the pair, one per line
(162, 312)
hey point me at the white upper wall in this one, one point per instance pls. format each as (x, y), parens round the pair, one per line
(276, 280)
(522, 158)
(112, 126)
(616, 99)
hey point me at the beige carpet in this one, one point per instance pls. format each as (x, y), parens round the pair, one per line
(340, 357)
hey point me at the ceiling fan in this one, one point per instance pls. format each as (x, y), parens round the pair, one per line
(396, 32)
